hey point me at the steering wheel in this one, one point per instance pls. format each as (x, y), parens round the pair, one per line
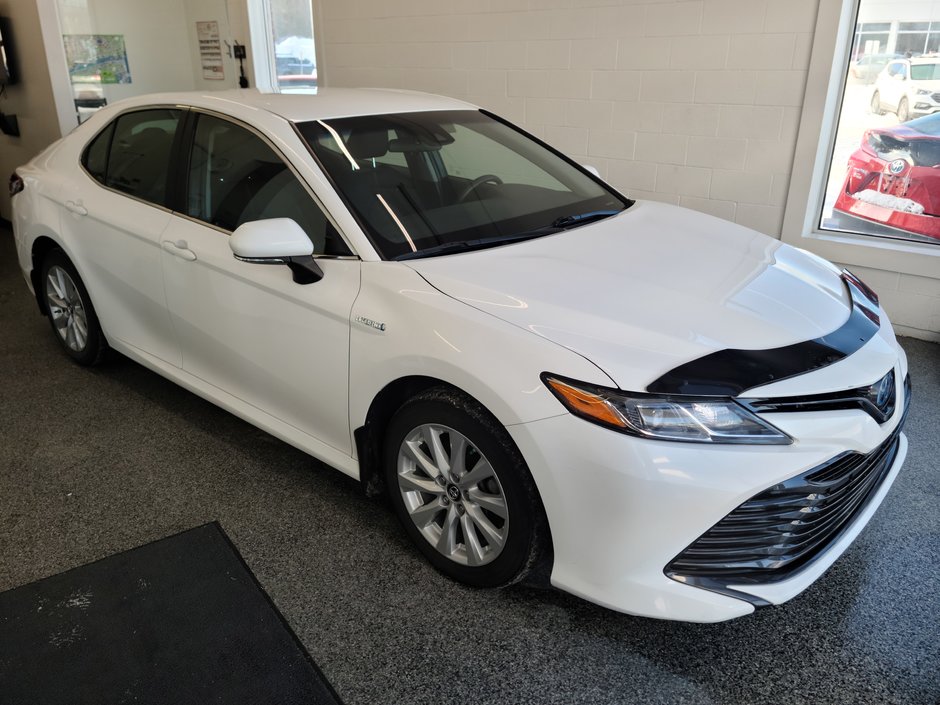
(473, 185)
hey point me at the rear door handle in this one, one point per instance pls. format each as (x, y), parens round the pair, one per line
(179, 249)
(76, 207)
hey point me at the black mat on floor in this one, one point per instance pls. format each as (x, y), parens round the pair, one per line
(180, 620)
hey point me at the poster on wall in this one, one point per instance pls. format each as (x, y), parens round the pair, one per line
(210, 50)
(96, 58)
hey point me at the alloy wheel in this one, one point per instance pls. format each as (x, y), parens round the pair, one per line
(452, 495)
(66, 309)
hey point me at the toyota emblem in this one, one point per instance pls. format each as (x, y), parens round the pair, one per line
(897, 166)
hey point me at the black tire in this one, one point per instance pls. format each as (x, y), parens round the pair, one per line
(904, 111)
(526, 541)
(876, 108)
(90, 348)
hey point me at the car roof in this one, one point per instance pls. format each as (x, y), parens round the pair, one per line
(300, 107)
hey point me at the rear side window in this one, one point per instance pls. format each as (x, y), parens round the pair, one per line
(141, 148)
(95, 159)
(235, 178)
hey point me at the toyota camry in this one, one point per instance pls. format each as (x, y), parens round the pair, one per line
(662, 412)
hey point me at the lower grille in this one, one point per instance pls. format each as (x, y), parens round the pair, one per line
(776, 533)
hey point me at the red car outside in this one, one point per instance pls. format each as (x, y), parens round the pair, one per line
(893, 180)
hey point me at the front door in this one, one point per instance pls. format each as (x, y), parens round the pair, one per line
(249, 329)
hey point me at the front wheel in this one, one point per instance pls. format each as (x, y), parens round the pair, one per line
(462, 490)
(904, 111)
(876, 108)
(70, 310)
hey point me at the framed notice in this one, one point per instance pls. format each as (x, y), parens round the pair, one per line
(210, 50)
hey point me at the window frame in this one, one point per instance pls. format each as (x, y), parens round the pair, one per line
(822, 102)
(178, 172)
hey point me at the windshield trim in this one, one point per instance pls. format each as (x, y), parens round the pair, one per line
(366, 230)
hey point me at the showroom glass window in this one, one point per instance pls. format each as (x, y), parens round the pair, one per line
(132, 154)
(294, 54)
(235, 177)
(884, 170)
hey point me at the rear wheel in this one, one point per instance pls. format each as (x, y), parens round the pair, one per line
(876, 108)
(462, 490)
(70, 310)
(904, 111)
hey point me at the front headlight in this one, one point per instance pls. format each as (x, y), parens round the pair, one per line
(667, 418)
(922, 91)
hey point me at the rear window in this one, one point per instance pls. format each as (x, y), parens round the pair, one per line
(928, 125)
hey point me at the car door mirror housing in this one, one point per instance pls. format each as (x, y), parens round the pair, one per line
(274, 238)
(277, 241)
(592, 170)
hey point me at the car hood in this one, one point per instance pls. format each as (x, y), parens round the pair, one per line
(650, 289)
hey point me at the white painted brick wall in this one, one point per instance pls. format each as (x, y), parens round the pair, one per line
(692, 102)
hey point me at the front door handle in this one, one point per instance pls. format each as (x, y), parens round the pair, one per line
(179, 249)
(76, 207)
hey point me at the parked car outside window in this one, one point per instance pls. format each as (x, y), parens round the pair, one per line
(909, 88)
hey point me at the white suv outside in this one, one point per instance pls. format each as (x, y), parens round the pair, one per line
(909, 88)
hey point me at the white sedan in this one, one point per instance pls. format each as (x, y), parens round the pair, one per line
(657, 410)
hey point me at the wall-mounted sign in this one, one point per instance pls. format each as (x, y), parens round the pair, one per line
(210, 50)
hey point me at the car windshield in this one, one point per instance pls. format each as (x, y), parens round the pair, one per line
(431, 183)
(925, 72)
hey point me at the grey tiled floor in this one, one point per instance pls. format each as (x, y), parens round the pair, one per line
(97, 461)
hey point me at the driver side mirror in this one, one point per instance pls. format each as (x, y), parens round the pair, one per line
(277, 241)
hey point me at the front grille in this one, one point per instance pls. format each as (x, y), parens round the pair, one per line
(779, 531)
(877, 400)
(936, 97)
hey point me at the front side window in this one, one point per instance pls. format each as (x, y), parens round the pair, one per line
(141, 148)
(434, 182)
(235, 178)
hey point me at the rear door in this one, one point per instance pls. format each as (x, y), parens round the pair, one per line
(115, 214)
(249, 329)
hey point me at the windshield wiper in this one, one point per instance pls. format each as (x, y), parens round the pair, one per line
(567, 221)
(468, 245)
(563, 223)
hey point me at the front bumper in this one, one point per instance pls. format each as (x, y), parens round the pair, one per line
(621, 508)
(920, 108)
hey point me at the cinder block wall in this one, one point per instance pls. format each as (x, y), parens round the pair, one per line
(695, 103)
